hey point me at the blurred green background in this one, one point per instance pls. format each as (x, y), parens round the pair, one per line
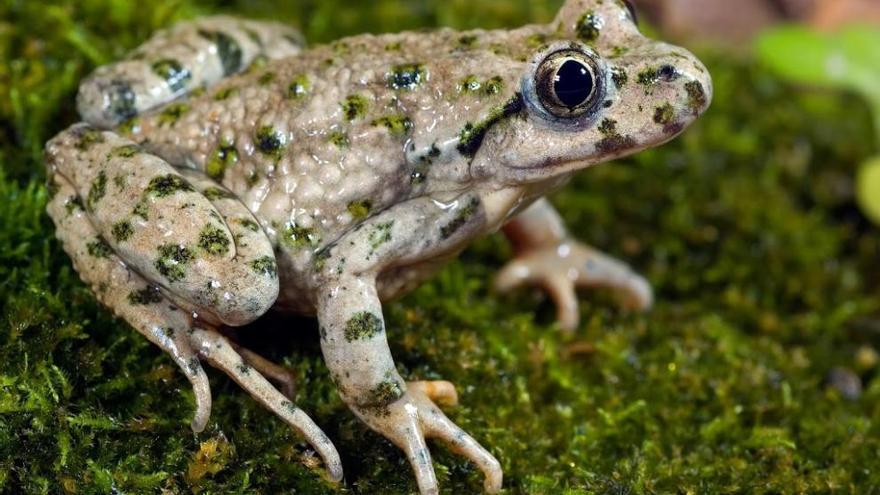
(756, 372)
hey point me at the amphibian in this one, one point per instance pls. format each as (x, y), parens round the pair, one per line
(223, 169)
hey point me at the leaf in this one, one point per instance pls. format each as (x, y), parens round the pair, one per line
(868, 189)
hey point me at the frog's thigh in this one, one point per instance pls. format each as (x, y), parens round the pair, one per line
(175, 61)
(194, 239)
(130, 296)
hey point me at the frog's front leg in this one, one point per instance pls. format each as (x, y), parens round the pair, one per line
(175, 255)
(549, 257)
(353, 336)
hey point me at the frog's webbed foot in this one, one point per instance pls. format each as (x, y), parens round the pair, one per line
(548, 258)
(415, 417)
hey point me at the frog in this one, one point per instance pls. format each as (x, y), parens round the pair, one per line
(225, 169)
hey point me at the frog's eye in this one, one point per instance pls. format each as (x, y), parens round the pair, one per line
(633, 14)
(566, 84)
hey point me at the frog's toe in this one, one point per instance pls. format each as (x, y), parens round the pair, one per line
(439, 391)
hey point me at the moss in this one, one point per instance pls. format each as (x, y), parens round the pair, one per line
(765, 275)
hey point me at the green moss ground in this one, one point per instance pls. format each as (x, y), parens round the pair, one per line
(766, 275)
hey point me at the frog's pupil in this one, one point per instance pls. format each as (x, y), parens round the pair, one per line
(573, 84)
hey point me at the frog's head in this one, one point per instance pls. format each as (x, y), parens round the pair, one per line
(597, 90)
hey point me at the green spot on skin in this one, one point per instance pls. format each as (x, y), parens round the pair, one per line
(460, 219)
(297, 237)
(386, 392)
(221, 159)
(494, 86)
(270, 142)
(122, 231)
(696, 96)
(613, 142)
(97, 190)
(172, 114)
(166, 185)
(145, 296)
(407, 77)
(467, 41)
(266, 78)
(360, 209)
(536, 41)
(472, 135)
(321, 258)
(87, 138)
(265, 265)
(363, 325)
(398, 125)
(299, 87)
(248, 224)
(99, 248)
(393, 47)
(225, 93)
(470, 84)
(173, 73)
(215, 193)
(354, 107)
(228, 50)
(664, 115)
(126, 151)
(589, 26)
(619, 76)
(608, 127)
(648, 77)
(172, 261)
(141, 209)
(380, 235)
(214, 241)
(129, 127)
(339, 139)
(73, 203)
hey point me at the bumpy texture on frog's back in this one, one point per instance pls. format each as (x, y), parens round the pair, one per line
(317, 142)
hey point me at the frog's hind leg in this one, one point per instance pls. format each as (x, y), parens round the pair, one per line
(222, 355)
(127, 293)
(176, 61)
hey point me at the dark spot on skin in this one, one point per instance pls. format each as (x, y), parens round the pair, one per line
(172, 261)
(223, 157)
(472, 135)
(613, 141)
(122, 231)
(121, 100)
(173, 73)
(52, 188)
(299, 87)
(663, 115)
(393, 47)
(270, 142)
(166, 185)
(141, 209)
(619, 76)
(97, 190)
(145, 296)
(299, 237)
(588, 27)
(88, 137)
(467, 41)
(354, 107)
(213, 240)
(363, 325)
(225, 94)
(647, 77)
(398, 125)
(322, 256)
(696, 96)
(243, 368)
(99, 248)
(129, 126)
(386, 392)
(470, 84)
(607, 104)
(73, 203)
(265, 265)
(407, 77)
(493, 86)
(360, 209)
(667, 73)
(228, 50)
(460, 219)
(172, 113)
(339, 139)
(125, 151)
(536, 41)
(215, 193)
(248, 223)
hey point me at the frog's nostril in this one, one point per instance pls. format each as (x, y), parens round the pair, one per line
(667, 73)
